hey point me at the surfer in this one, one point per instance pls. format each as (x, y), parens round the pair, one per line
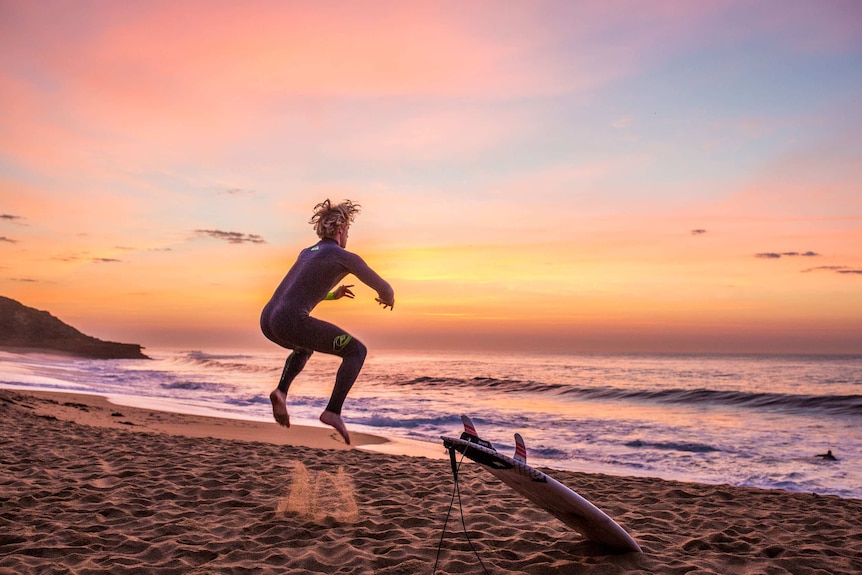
(827, 456)
(286, 319)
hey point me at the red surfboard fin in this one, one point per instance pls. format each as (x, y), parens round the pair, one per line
(520, 449)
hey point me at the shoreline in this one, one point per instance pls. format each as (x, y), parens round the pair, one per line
(99, 410)
(88, 491)
(104, 410)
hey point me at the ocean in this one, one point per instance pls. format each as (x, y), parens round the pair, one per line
(743, 420)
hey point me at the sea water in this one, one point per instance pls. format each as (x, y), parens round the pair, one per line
(745, 420)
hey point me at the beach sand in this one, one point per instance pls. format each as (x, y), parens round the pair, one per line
(91, 487)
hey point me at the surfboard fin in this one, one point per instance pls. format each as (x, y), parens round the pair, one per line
(520, 449)
(469, 428)
(471, 435)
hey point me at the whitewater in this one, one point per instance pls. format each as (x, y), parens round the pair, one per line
(743, 420)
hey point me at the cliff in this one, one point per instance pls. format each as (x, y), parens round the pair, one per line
(23, 327)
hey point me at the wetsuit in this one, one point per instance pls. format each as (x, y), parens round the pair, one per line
(285, 320)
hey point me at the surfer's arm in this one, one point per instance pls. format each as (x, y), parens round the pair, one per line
(385, 293)
(340, 292)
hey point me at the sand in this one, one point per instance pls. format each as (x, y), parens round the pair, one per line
(91, 487)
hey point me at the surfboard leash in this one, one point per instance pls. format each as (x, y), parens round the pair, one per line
(456, 490)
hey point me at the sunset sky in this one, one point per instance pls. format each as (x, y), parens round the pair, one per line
(567, 176)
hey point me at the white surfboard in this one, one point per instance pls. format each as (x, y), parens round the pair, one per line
(542, 490)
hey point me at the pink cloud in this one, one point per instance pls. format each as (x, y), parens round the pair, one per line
(131, 85)
(135, 85)
(151, 79)
(180, 58)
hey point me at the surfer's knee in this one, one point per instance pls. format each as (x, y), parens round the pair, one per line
(355, 350)
(302, 354)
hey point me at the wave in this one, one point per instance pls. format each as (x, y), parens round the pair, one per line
(845, 405)
(552, 453)
(192, 386)
(375, 420)
(197, 354)
(833, 404)
(224, 362)
(673, 446)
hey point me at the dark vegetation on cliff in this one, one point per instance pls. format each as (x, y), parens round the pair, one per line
(23, 327)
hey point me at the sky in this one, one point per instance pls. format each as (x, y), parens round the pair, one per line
(563, 176)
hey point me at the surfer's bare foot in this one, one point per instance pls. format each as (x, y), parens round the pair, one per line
(334, 420)
(279, 407)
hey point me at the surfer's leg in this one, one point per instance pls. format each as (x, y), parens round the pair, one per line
(292, 367)
(311, 334)
(352, 359)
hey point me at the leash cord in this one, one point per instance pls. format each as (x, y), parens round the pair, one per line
(456, 490)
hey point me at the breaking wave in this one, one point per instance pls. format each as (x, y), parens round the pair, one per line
(845, 405)
(224, 362)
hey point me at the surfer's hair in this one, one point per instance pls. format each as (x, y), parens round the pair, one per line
(328, 218)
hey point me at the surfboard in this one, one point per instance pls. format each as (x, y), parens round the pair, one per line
(542, 489)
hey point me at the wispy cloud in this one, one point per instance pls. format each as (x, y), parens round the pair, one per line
(72, 258)
(11, 218)
(824, 268)
(8, 240)
(622, 122)
(698, 232)
(232, 237)
(238, 192)
(776, 255)
(68, 258)
(84, 257)
(837, 269)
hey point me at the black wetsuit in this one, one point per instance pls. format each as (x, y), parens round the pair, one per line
(285, 320)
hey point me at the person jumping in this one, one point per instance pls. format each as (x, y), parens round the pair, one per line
(286, 319)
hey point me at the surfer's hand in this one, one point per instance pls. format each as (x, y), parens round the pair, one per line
(385, 304)
(343, 291)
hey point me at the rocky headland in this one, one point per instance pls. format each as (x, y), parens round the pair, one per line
(24, 328)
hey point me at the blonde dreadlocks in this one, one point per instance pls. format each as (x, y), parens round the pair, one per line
(328, 219)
